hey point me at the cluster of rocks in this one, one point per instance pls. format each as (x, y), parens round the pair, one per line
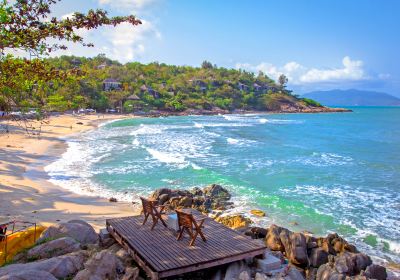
(72, 250)
(321, 258)
(213, 197)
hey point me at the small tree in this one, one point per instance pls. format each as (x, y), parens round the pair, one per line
(282, 81)
(206, 65)
(25, 25)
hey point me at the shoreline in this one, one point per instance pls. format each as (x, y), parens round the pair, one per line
(26, 193)
(41, 200)
(198, 112)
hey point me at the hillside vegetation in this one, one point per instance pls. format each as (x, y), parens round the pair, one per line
(107, 84)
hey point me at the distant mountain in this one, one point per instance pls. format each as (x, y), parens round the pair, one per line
(353, 97)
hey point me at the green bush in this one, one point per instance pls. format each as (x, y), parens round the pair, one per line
(311, 102)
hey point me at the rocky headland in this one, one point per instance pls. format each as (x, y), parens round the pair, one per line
(73, 250)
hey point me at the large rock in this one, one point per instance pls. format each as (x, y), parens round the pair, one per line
(234, 222)
(326, 246)
(273, 240)
(54, 248)
(244, 275)
(256, 232)
(351, 264)
(29, 275)
(268, 264)
(257, 212)
(103, 265)
(375, 271)
(186, 202)
(318, 257)
(217, 191)
(298, 249)
(213, 197)
(196, 191)
(163, 198)
(295, 247)
(59, 267)
(294, 274)
(327, 272)
(260, 276)
(157, 193)
(77, 229)
(235, 269)
(131, 273)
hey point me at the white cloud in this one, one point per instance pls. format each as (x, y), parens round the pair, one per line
(69, 15)
(127, 42)
(352, 70)
(130, 5)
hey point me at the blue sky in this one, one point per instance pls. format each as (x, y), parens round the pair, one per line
(317, 44)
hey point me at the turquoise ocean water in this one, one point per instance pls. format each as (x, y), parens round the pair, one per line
(317, 172)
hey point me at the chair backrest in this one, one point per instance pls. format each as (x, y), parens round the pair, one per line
(3, 231)
(184, 219)
(147, 205)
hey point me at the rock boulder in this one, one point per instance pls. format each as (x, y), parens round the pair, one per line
(237, 222)
(318, 257)
(217, 191)
(103, 265)
(28, 275)
(273, 240)
(375, 271)
(76, 229)
(59, 267)
(54, 248)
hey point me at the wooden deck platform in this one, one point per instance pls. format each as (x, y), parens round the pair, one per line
(161, 255)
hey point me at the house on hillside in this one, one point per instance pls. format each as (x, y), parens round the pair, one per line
(101, 66)
(111, 84)
(132, 97)
(257, 87)
(200, 83)
(76, 62)
(149, 90)
(243, 87)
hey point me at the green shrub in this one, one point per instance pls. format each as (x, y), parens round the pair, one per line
(311, 102)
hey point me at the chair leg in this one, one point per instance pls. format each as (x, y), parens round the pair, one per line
(202, 235)
(163, 222)
(154, 222)
(180, 233)
(193, 239)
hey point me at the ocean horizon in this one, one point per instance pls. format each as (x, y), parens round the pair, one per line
(323, 173)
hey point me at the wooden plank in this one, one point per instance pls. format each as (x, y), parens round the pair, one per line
(141, 248)
(210, 264)
(153, 275)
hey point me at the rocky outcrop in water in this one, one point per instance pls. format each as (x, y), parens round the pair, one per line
(213, 197)
(238, 222)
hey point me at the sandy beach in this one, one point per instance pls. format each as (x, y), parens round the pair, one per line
(25, 193)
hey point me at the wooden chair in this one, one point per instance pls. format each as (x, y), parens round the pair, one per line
(187, 222)
(150, 208)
